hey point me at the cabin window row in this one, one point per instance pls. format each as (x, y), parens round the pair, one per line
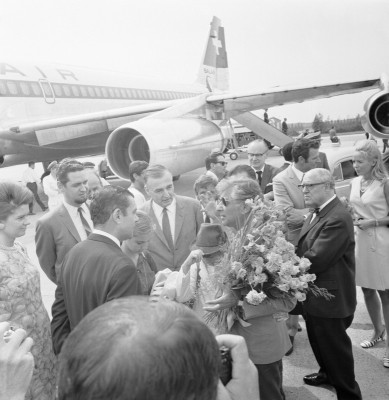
(35, 89)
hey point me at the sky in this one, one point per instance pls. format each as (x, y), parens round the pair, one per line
(269, 43)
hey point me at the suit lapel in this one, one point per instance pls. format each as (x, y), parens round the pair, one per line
(67, 221)
(265, 177)
(179, 219)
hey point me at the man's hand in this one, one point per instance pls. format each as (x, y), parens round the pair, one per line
(244, 382)
(294, 220)
(226, 300)
(16, 364)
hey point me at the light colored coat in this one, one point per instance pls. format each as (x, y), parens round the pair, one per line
(287, 194)
(188, 221)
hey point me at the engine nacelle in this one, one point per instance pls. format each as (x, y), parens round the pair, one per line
(376, 118)
(180, 144)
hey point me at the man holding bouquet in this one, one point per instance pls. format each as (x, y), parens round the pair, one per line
(327, 240)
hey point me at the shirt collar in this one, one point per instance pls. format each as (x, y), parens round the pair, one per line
(73, 210)
(327, 202)
(171, 208)
(298, 173)
(108, 235)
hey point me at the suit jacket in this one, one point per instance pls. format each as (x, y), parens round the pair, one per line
(328, 242)
(287, 194)
(267, 178)
(55, 235)
(188, 220)
(95, 271)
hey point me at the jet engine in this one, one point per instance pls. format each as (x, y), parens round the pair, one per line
(180, 144)
(376, 118)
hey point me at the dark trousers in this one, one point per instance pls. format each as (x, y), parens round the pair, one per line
(333, 351)
(270, 381)
(34, 189)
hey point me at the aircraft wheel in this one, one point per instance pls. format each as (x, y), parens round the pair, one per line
(234, 156)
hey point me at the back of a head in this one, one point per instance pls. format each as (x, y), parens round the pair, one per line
(137, 167)
(132, 349)
(287, 151)
(106, 201)
(243, 169)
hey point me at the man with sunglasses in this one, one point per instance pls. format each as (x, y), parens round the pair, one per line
(327, 240)
(257, 152)
(216, 166)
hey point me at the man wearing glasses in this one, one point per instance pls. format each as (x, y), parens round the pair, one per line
(327, 240)
(257, 152)
(216, 166)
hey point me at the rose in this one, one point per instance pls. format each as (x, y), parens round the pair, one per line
(307, 278)
(241, 273)
(300, 296)
(255, 298)
(284, 287)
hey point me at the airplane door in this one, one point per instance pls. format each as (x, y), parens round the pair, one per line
(47, 90)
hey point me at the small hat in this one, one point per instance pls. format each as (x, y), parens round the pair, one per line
(313, 136)
(211, 238)
(53, 164)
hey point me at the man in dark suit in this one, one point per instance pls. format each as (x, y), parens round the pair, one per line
(327, 240)
(257, 152)
(62, 228)
(96, 270)
(176, 219)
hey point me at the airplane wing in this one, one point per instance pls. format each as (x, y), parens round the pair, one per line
(235, 104)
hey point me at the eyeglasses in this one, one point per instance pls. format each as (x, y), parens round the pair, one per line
(223, 163)
(309, 186)
(223, 200)
(256, 154)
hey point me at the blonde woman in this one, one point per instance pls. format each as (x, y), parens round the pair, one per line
(370, 199)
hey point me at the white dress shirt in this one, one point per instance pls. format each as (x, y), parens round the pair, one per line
(75, 216)
(139, 198)
(322, 206)
(171, 212)
(108, 235)
(29, 176)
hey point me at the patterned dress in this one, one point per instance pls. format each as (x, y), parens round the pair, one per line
(21, 305)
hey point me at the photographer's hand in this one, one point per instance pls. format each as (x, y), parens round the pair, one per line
(244, 382)
(16, 364)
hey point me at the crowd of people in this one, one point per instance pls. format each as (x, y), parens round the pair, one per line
(133, 272)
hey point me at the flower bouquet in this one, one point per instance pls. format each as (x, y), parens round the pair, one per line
(261, 264)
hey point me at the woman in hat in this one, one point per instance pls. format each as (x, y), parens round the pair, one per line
(194, 283)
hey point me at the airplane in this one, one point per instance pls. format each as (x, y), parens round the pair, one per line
(54, 111)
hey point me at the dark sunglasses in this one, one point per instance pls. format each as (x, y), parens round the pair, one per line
(222, 163)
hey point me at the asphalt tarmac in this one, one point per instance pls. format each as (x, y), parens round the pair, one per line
(372, 377)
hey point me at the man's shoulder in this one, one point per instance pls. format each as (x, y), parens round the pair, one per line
(187, 201)
(51, 218)
(284, 174)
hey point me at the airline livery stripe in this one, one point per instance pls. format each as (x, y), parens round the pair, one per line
(15, 88)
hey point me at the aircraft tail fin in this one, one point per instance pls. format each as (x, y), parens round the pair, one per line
(213, 71)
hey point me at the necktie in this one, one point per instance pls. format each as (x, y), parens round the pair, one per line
(166, 229)
(207, 219)
(259, 174)
(85, 224)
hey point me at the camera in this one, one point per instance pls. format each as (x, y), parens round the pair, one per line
(226, 365)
